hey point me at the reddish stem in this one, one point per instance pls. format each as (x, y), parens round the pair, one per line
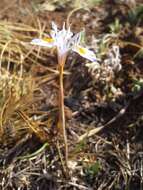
(61, 61)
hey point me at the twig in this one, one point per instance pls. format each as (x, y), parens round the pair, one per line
(79, 186)
(72, 12)
(96, 130)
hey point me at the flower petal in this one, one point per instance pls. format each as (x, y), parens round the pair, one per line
(46, 42)
(84, 52)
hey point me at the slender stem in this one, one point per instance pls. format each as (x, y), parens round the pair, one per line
(61, 106)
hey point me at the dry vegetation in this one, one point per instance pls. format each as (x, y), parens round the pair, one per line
(103, 102)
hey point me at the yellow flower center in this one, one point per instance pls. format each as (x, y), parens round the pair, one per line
(49, 40)
(81, 50)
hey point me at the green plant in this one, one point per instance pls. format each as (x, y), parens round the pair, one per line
(92, 170)
(137, 85)
(135, 16)
(115, 27)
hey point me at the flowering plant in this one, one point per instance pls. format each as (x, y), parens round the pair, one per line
(64, 41)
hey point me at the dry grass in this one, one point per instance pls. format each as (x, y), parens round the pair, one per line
(30, 153)
(16, 80)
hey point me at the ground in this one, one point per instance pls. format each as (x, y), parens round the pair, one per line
(103, 105)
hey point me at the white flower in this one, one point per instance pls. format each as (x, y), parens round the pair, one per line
(64, 40)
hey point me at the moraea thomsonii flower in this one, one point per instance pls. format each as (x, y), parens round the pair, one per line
(64, 40)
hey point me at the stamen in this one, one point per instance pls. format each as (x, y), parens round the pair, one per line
(49, 40)
(82, 50)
